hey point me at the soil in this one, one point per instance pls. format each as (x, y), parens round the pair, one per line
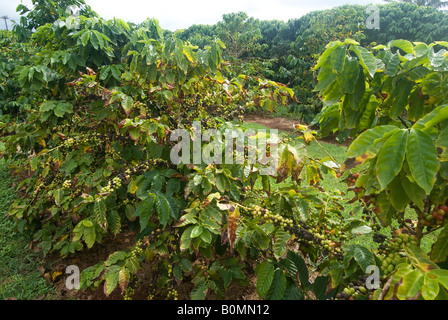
(53, 270)
(280, 123)
(286, 125)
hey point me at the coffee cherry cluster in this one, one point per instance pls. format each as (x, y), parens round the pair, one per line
(138, 249)
(305, 235)
(124, 176)
(69, 142)
(354, 290)
(112, 185)
(267, 215)
(172, 294)
(439, 216)
(128, 293)
(351, 179)
(380, 238)
(67, 184)
(95, 138)
(394, 251)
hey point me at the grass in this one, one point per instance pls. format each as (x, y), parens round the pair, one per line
(19, 275)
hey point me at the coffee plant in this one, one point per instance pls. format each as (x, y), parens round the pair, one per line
(391, 101)
(89, 138)
(89, 115)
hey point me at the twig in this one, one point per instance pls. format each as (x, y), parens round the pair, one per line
(328, 154)
(385, 289)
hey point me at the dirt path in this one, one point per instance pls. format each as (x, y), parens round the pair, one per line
(287, 125)
(283, 124)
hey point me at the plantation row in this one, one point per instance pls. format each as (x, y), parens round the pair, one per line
(89, 110)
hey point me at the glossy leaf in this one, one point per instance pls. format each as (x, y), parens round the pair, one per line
(278, 286)
(439, 250)
(411, 285)
(364, 142)
(421, 156)
(265, 272)
(391, 157)
(430, 288)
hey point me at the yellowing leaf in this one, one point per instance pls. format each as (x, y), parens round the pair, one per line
(56, 274)
(87, 149)
(41, 141)
(132, 187)
(308, 137)
(188, 55)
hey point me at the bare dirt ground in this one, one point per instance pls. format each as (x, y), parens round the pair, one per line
(280, 123)
(286, 125)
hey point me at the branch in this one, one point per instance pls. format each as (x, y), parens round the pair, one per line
(385, 289)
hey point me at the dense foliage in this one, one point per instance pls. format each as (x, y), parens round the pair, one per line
(89, 108)
(287, 51)
(394, 104)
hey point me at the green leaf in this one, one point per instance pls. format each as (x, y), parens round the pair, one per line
(364, 142)
(411, 284)
(222, 182)
(439, 250)
(391, 157)
(325, 78)
(397, 195)
(47, 106)
(85, 37)
(99, 209)
(442, 143)
(392, 62)
(69, 165)
(114, 221)
(199, 290)
(413, 191)
(206, 236)
(416, 105)
(94, 40)
(300, 266)
(196, 232)
(265, 272)
(163, 209)
(431, 287)
(362, 255)
(386, 209)
(185, 239)
(348, 77)
(404, 45)
(278, 287)
(320, 288)
(433, 118)
(421, 156)
(338, 58)
(400, 94)
(327, 53)
(441, 275)
(111, 282)
(293, 292)
(441, 115)
(127, 105)
(100, 39)
(89, 236)
(144, 210)
(353, 101)
(279, 246)
(366, 59)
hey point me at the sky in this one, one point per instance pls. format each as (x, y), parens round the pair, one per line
(180, 14)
